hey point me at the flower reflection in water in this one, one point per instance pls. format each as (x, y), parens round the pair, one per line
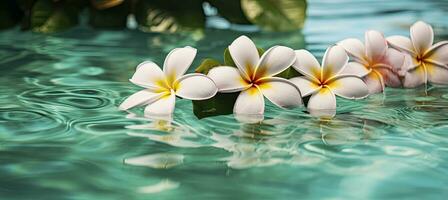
(168, 131)
(281, 139)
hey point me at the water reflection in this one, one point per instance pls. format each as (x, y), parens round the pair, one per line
(158, 160)
(159, 187)
(165, 130)
(265, 141)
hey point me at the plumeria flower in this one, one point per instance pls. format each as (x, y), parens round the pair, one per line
(374, 61)
(323, 83)
(162, 87)
(254, 77)
(428, 62)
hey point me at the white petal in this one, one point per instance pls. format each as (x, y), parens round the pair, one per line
(228, 79)
(354, 68)
(422, 36)
(414, 78)
(148, 75)
(374, 82)
(350, 87)
(397, 65)
(376, 45)
(354, 48)
(275, 60)
(163, 106)
(334, 61)
(307, 64)
(178, 61)
(245, 55)
(249, 102)
(196, 87)
(439, 53)
(322, 100)
(139, 98)
(281, 92)
(305, 85)
(401, 43)
(437, 74)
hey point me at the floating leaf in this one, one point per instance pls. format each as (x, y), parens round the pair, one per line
(169, 15)
(275, 15)
(230, 10)
(206, 65)
(113, 17)
(289, 73)
(220, 104)
(228, 61)
(48, 16)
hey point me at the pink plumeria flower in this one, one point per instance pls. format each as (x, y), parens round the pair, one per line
(374, 61)
(162, 87)
(254, 77)
(427, 62)
(323, 83)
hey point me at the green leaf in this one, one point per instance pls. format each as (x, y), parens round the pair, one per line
(289, 73)
(206, 65)
(228, 61)
(109, 16)
(48, 16)
(169, 15)
(276, 15)
(220, 104)
(230, 10)
(260, 51)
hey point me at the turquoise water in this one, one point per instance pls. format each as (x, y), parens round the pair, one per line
(62, 136)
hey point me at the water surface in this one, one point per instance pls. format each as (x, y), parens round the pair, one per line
(62, 136)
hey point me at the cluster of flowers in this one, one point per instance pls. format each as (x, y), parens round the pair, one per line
(396, 61)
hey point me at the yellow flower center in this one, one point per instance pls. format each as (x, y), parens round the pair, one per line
(255, 77)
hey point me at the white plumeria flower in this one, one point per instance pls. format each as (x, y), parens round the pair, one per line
(322, 83)
(162, 87)
(254, 77)
(427, 62)
(374, 61)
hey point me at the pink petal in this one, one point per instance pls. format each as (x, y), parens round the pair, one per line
(390, 77)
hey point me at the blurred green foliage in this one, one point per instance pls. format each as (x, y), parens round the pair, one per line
(48, 16)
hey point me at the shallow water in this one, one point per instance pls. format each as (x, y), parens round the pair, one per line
(62, 136)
